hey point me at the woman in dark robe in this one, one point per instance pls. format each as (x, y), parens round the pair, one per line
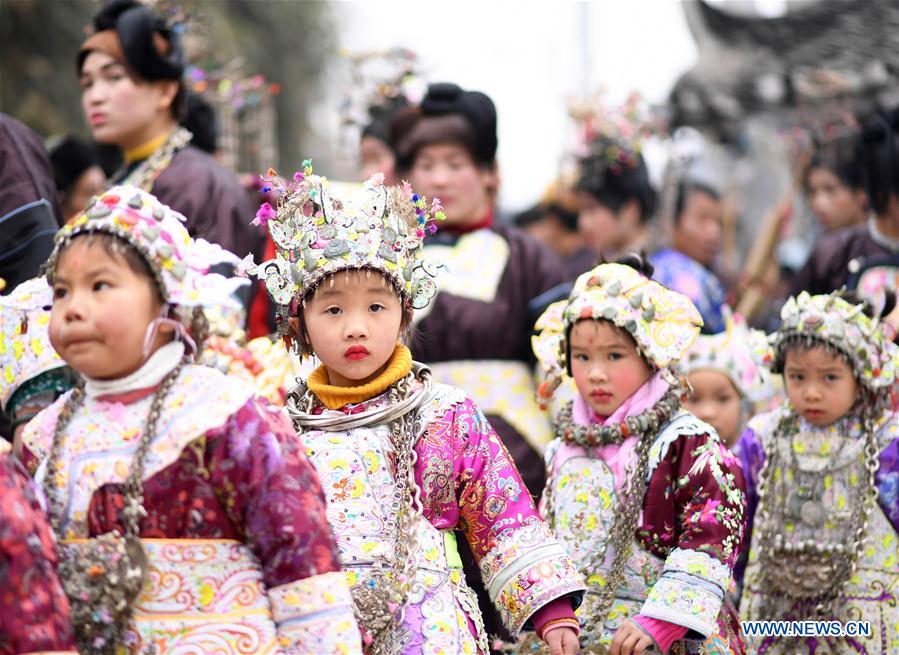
(477, 332)
(130, 72)
(864, 257)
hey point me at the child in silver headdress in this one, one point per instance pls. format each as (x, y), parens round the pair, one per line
(823, 474)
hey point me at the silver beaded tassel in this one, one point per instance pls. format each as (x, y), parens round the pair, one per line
(590, 436)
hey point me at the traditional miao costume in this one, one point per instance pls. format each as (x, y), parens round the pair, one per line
(648, 501)
(31, 373)
(404, 461)
(34, 610)
(180, 175)
(824, 501)
(221, 543)
(742, 355)
(684, 274)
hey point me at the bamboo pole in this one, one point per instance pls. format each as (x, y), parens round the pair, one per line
(761, 266)
(762, 256)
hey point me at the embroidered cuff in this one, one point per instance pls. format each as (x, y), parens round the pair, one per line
(526, 569)
(315, 615)
(689, 591)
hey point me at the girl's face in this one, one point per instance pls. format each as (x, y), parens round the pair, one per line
(353, 324)
(716, 401)
(833, 203)
(89, 184)
(376, 157)
(120, 109)
(603, 229)
(697, 232)
(101, 311)
(448, 172)
(606, 366)
(821, 386)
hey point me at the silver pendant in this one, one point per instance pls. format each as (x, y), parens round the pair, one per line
(812, 513)
(794, 503)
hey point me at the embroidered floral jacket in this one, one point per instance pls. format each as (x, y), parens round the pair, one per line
(835, 453)
(34, 610)
(241, 556)
(687, 538)
(468, 483)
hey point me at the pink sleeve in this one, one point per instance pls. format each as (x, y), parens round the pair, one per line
(556, 612)
(664, 633)
(467, 472)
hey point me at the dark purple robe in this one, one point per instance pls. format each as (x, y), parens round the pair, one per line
(29, 208)
(827, 267)
(216, 206)
(466, 329)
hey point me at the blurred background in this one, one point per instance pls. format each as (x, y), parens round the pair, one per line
(733, 91)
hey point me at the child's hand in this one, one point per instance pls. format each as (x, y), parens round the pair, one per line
(562, 641)
(631, 640)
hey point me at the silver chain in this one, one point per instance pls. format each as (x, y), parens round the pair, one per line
(104, 576)
(842, 559)
(622, 535)
(590, 436)
(380, 600)
(145, 175)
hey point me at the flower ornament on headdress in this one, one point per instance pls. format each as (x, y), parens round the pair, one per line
(739, 352)
(317, 234)
(382, 82)
(179, 263)
(832, 321)
(25, 350)
(662, 322)
(610, 138)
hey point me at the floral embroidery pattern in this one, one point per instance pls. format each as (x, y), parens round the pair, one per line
(468, 483)
(34, 610)
(870, 594)
(688, 536)
(227, 466)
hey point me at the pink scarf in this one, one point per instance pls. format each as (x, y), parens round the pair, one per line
(618, 456)
(649, 393)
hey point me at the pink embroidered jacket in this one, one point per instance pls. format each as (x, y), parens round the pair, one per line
(687, 537)
(468, 483)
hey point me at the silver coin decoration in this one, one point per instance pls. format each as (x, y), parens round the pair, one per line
(386, 252)
(336, 248)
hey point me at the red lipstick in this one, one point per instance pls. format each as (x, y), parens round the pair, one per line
(600, 396)
(356, 352)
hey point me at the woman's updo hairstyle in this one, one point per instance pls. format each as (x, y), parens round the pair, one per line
(839, 155)
(878, 154)
(615, 174)
(639, 262)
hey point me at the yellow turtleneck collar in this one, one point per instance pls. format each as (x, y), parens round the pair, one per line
(334, 397)
(145, 150)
